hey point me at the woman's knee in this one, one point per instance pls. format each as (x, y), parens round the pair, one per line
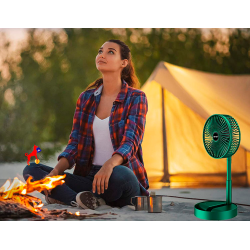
(121, 174)
(29, 169)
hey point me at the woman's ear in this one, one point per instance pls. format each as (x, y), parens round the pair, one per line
(125, 63)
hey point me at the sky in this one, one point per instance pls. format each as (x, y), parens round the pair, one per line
(16, 35)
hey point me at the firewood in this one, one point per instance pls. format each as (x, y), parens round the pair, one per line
(26, 206)
(12, 209)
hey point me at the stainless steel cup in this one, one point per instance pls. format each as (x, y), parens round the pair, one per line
(140, 203)
(154, 203)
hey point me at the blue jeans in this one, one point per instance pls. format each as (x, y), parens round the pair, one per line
(122, 185)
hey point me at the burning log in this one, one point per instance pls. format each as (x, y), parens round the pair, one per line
(16, 203)
(17, 192)
(11, 209)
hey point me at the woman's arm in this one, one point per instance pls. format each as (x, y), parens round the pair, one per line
(134, 128)
(62, 165)
(115, 160)
(70, 152)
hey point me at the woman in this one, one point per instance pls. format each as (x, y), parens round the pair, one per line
(105, 141)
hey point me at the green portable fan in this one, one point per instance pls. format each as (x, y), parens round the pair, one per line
(221, 138)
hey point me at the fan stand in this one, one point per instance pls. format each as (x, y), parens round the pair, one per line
(218, 210)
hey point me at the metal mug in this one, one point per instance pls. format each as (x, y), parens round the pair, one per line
(140, 203)
(154, 203)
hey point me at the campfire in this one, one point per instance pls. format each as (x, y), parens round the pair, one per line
(16, 203)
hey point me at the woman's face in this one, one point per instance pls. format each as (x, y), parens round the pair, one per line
(109, 53)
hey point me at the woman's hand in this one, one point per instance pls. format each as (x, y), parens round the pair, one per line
(52, 173)
(101, 178)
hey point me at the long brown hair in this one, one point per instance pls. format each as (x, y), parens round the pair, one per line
(128, 73)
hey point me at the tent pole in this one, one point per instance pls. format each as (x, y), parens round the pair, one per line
(165, 177)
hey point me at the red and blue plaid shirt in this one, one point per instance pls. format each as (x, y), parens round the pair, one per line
(126, 125)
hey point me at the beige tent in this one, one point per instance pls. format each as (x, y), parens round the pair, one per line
(180, 100)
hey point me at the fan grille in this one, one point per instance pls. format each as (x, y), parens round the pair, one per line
(221, 136)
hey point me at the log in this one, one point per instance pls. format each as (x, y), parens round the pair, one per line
(12, 209)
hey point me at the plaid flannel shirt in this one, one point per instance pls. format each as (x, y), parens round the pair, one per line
(126, 125)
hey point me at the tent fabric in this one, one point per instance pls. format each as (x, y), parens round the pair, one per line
(180, 100)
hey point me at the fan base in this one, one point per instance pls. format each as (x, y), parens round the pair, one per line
(215, 210)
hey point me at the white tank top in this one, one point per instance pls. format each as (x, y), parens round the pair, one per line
(103, 144)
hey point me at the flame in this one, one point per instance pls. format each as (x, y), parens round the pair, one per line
(18, 187)
(17, 191)
(77, 213)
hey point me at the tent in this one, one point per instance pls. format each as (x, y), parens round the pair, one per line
(180, 100)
